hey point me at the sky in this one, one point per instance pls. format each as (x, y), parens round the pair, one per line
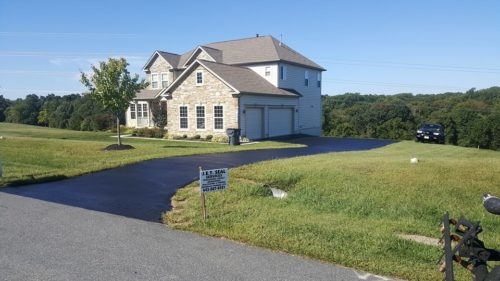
(367, 46)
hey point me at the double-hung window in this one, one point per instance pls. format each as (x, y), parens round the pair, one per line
(319, 79)
(132, 111)
(142, 110)
(154, 80)
(183, 117)
(164, 80)
(267, 71)
(306, 78)
(200, 117)
(218, 117)
(199, 78)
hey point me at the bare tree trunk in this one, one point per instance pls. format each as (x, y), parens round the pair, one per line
(118, 131)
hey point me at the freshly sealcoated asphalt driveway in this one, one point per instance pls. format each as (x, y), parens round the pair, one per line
(104, 226)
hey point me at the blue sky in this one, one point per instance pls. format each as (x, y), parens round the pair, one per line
(367, 46)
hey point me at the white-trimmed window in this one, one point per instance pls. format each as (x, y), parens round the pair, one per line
(268, 71)
(200, 117)
(183, 117)
(318, 79)
(132, 111)
(154, 80)
(283, 72)
(218, 117)
(199, 77)
(164, 80)
(142, 110)
(306, 78)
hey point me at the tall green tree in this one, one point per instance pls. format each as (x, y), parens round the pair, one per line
(159, 112)
(112, 86)
(4, 104)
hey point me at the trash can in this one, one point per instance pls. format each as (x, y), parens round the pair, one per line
(233, 136)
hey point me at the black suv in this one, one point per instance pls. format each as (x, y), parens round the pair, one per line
(429, 132)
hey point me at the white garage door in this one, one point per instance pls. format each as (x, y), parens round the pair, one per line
(280, 121)
(254, 125)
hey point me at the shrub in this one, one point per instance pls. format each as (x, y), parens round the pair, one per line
(148, 133)
(209, 138)
(220, 138)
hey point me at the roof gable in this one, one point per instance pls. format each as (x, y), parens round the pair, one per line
(170, 58)
(205, 53)
(241, 80)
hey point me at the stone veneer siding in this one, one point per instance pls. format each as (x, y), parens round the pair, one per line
(158, 66)
(213, 92)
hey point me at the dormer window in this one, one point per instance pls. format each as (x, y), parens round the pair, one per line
(268, 71)
(306, 78)
(154, 80)
(199, 78)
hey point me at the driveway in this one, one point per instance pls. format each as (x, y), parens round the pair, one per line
(104, 226)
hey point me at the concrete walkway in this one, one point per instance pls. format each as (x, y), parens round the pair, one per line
(104, 226)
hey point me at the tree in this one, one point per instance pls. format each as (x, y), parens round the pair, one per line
(24, 111)
(159, 112)
(113, 87)
(4, 104)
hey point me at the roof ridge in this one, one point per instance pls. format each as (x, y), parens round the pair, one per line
(170, 53)
(241, 39)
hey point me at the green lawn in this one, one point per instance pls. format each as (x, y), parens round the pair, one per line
(348, 208)
(35, 154)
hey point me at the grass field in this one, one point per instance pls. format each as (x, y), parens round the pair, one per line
(349, 208)
(34, 154)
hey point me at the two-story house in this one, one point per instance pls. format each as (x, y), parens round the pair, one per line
(258, 85)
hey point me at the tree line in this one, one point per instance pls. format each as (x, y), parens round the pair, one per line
(75, 112)
(471, 119)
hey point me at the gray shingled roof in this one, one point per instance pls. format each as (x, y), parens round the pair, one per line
(172, 59)
(246, 51)
(260, 49)
(147, 94)
(245, 80)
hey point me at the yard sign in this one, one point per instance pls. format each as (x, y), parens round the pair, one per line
(213, 180)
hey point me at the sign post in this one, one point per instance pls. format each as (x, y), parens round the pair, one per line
(211, 180)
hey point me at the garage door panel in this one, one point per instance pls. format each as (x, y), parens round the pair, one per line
(280, 122)
(254, 125)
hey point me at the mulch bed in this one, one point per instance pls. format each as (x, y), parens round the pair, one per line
(118, 147)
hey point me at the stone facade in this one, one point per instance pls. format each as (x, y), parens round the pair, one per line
(211, 93)
(159, 66)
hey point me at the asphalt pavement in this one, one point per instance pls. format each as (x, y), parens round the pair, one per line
(105, 226)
